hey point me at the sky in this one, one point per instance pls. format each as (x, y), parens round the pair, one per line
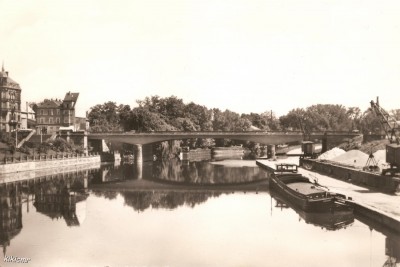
(242, 55)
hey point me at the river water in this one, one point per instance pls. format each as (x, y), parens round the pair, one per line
(177, 214)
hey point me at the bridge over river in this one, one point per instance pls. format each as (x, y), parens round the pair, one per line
(262, 137)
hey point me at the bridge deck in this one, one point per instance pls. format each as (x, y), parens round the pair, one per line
(264, 137)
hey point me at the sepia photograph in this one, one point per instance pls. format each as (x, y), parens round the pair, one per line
(199, 133)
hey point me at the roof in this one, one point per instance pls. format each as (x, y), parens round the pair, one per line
(8, 82)
(71, 97)
(49, 104)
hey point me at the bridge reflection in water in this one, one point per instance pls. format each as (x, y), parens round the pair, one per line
(181, 175)
(163, 185)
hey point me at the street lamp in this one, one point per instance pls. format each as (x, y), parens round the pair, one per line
(16, 137)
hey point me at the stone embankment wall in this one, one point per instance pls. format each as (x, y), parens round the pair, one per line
(374, 217)
(379, 182)
(48, 163)
(61, 171)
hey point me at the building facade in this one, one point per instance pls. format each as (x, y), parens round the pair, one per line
(52, 114)
(28, 117)
(10, 102)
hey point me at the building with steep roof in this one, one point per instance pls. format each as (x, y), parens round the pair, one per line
(10, 102)
(51, 114)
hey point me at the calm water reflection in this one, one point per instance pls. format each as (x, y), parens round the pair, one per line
(61, 221)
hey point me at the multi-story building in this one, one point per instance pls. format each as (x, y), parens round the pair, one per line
(28, 117)
(10, 102)
(52, 114)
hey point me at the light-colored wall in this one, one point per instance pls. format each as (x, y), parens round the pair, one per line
(46, 164)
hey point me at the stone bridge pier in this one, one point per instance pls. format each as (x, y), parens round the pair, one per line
(138, 153)
(139, 160)
(271, 151)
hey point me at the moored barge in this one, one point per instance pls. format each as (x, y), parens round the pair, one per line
(302, 193)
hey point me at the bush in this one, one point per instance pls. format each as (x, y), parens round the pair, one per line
(61, 145)
(7, 138)
(44, 147)
(79, 150)
(24, 149)
(31, 144)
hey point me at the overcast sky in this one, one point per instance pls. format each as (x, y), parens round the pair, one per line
(246, 56)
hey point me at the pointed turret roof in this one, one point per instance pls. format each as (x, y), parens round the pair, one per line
(7, 82)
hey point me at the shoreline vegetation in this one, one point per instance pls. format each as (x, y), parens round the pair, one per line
(157, 113)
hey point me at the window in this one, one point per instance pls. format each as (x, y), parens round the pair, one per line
(65, 120)
(50, 112)
(41, 120)
(58, 112)
(51, 120)
(44, 111)
(57, 120)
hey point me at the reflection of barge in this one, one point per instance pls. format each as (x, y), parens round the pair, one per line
(302, 193)
(332, 221)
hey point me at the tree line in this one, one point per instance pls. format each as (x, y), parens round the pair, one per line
(172, 114)
(156, 113)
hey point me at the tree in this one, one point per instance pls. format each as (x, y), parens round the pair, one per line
(104, 118)
(184, 124)
(124, 112)
(293, 119)
(168, 108)
(199, 115)
(257, 120)
(369, 123)
(321, 117)
(143, 120)
(229, 121)
(354, 113)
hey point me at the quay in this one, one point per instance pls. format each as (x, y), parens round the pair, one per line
(46, 162)
(381, 208)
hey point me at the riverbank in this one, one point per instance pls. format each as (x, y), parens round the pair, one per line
(40, 163)
(47, 173)
(369, 202)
